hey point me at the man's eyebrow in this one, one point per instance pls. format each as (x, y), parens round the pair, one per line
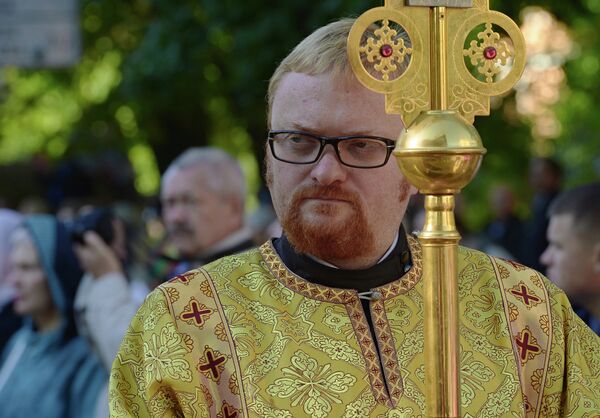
(301, 128)
(298, 127)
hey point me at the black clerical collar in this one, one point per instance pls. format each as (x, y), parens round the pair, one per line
(389, 269)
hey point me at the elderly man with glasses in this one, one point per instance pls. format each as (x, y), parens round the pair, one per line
(327, 320)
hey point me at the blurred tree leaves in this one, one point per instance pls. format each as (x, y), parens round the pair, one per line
(158, 76)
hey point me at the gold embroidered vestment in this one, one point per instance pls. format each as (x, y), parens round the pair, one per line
(245, 337)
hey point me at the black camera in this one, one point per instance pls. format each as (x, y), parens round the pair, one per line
(99, 220)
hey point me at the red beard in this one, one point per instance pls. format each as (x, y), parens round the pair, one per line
(333, 241)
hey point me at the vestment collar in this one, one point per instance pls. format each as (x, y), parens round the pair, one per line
(390, 268)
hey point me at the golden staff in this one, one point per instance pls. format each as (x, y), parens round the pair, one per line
(438, 76)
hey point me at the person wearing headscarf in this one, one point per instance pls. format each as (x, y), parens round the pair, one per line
(9, 321)
(47, 370)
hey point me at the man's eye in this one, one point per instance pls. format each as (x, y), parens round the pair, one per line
(358, 144)
(299, 139)
(365, 145)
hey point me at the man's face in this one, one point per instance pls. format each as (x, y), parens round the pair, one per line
(195, 216)
(347, 216)
(569, 259)
(32, 294)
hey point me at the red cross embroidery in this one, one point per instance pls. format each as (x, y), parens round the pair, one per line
(196, 313)
(229, 411)
(212, 363)
(180, 278)
(524, 295)
(525, 346)
(514, 264)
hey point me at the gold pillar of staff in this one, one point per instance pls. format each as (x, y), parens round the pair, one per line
(438, 76)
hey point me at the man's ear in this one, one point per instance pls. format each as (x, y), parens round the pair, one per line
(596, 257)
(235, 205)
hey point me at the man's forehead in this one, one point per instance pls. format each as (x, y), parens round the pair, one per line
(23, 250)
(561, 224)
(190, 177)
(331, 105)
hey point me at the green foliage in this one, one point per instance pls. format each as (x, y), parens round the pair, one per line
(158, 76)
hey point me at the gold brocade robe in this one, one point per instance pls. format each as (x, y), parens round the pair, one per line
(245, 337)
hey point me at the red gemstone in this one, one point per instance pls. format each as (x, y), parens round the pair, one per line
(386, 51)
(490, 53)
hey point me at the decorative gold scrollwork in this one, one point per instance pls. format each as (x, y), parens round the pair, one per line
(467, 103)
(413, 100)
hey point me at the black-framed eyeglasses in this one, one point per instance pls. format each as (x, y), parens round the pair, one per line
(359, 151)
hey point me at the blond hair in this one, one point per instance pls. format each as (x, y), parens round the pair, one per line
(324, 51)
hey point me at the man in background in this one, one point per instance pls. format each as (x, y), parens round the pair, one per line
(545, 176)
(572, 258)
(202, 197)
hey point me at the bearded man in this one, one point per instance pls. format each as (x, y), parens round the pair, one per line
(327, 320)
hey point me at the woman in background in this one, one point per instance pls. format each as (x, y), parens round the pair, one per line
(46, 370)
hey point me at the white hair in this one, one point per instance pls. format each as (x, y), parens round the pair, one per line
(226, 177)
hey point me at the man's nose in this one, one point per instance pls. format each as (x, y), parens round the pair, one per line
(12, 277)
(546, 257)
(175, 213)
(329, 169)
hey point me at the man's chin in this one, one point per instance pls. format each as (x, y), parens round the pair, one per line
(185, 248)
(20, 308)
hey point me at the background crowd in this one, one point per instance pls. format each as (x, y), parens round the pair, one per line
(73, 277)
(100, 210)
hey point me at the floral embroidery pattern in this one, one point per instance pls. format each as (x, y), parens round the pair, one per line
(338, 321)
(472, 376)
(295, 328)
(243, 331)
(310, 385)
(399, 413)
(164, 356)
(163, 401)
(484, 313)
(545, 324)
(337, 350)
(536, 379)
(172, 294)
(258, 282)
(220, 332)
(205, 289)
(362, 407)
(151, 317)
(233, 385)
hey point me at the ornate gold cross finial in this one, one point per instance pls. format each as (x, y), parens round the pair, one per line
(475, 60)
(435, 60)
